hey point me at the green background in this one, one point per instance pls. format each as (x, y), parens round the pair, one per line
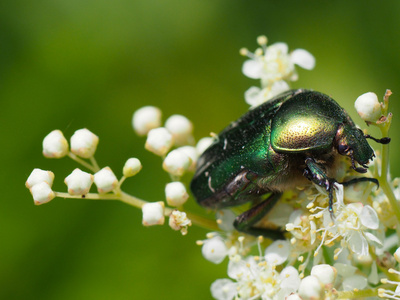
(73, 64)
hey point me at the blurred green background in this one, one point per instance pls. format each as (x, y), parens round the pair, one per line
(73, 64)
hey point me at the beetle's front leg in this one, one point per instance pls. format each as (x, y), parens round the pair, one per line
(316, 174)
(245, 221)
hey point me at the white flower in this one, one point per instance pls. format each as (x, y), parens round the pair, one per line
(223, 289)
(178, 220)
(42, 193)
(79, 182)
(274, 63)
(278, 252)
(84, 143)
(153, 213)
(132, 167)
(177, 162)
(105, 180)
(353, 223)
(176, 193)
(368, 107)
(39, 176)
(255, 96)
(145, 119)
(203, 144)
(311, 288)
(55, 145)
(159, 141)
(214, 249)
(181, 129)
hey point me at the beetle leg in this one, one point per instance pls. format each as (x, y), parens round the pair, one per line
(361, 179)
(246, 220)
(316, 174)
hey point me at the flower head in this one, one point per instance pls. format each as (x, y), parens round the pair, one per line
(84, 143)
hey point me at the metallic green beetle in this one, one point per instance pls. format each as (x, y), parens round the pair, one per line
(297, 136)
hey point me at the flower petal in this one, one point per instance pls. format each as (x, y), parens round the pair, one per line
(252, 68)
(303, 58)
(369, 217)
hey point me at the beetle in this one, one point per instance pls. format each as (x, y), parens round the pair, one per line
(292, 139)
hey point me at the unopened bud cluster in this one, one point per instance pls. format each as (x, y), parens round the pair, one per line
(174, 143)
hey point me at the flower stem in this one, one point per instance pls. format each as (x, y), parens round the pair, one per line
(357, 294)
(83, 163)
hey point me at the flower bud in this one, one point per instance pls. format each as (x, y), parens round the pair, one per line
(84, 143)
(192, 153)
(311, 288)
(159, 141)
(153, 213)
(132, 167)
(214, 250)
(326, 274)
(177, 162)
(179, 221)
(79, 182)
(105, 180)
(397, 255)
(203, 144)
(39, 176)
(42, 193)
(181, 129)
(368, 107)
(145, 119)
(55, 145)
(176, 193)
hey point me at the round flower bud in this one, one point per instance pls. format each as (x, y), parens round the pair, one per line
(79, 182)
(145, 119)
(42, 193)
(325, 273)
(311, 289)
(397, 255)
(177, 162)
(39, 176)
(368, 107)
(132, 167)
(55, 145)
(192, 153)
(153, 213)
(176, 193)
(105, 180)
(84, 143)
(181, 129)
(214, 250)
(159, 141)
(203, 144)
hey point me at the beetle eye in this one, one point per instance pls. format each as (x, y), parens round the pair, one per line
(343, 149)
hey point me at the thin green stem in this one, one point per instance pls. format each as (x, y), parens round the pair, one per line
(94, 164)
(82, 162)
(361, 294)
(138, 203)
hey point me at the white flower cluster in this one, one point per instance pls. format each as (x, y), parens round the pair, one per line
(274, 66)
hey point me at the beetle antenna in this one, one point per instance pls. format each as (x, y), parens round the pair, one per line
(385, 140)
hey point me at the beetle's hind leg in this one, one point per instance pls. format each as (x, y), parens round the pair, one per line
(246, 221)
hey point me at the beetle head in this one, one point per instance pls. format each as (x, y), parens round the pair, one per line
(350, 141)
